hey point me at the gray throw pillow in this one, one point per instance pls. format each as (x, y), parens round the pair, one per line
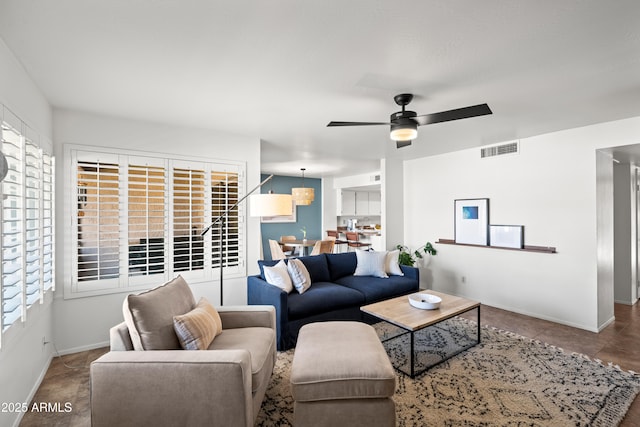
(149, 315)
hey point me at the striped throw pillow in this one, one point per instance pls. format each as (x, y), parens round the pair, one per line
(197, 328)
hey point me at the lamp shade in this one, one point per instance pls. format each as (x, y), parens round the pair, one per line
(270, 204)
(302, 195)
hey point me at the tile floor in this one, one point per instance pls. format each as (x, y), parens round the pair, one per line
(67, 379)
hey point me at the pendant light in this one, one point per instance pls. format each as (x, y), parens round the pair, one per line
(302, 195)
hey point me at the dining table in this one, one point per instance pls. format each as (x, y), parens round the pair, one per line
(305, 244)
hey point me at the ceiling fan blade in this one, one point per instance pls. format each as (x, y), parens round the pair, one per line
(457, 114)
(356, 123)
(401, 144)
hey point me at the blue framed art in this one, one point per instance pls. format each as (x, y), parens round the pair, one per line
(471, 221)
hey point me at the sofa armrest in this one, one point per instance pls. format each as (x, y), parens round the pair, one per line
(168, 387)
(119, 338)
(259, 292)
(246, 316)
(411, 272)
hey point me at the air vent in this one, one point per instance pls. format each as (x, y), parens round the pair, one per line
(499, 150)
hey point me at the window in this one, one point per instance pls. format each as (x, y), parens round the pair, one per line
(138, 219)
(27, 220)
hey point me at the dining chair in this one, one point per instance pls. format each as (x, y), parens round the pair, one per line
(322, 247)
(288, 250)
(353, 240)
(276, 250)
(335, 235)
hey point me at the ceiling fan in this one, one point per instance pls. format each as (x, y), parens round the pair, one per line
(404, 124)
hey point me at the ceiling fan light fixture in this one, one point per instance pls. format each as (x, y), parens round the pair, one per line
(302, 196)
(406, 131)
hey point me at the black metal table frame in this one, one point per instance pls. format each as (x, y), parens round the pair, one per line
(412, 357)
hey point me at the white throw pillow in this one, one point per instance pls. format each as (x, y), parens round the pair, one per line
(391, 265)
(371, 263)
(299, 275)
(278, 275)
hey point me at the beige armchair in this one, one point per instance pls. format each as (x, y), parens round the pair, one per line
(222, 385)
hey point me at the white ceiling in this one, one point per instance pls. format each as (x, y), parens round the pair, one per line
(281, 70)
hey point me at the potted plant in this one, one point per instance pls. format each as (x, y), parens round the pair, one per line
(408, 258)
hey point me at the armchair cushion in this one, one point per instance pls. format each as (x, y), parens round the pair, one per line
(197, 328)
(149, 315)
(259, 342)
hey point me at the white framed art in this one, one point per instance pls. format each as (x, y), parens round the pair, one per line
(506, 236)
(471, 224)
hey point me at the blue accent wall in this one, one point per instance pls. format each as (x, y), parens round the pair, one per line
(309, 217)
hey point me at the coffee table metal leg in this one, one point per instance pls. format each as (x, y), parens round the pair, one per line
(478, 324)
(412, 355)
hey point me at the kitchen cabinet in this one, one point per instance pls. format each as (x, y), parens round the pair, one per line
(362, 203)
(346, 203)
(375, 204)
(358, 203)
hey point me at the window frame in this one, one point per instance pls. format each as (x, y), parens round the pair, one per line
(126, 282)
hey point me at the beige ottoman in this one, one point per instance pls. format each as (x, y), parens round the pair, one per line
(342, 376)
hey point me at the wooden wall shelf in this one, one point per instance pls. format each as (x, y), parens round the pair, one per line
(527, 248)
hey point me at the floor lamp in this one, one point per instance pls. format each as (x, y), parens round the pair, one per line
(261, 205)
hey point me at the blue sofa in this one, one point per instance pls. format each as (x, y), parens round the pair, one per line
(335, 293)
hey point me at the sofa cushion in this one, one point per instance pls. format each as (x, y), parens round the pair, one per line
(341, 265)
(278, 275)
(259, 342)
(299, 275)
(266, 263)
(371, 263)
(317, 267)
(197, 328)
(376, 289)
(391, 264)
(322, 297)
(149, 315)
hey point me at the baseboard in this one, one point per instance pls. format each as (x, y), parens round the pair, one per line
(625, 302)
(549, 318)
(607, 323)
(64, 352)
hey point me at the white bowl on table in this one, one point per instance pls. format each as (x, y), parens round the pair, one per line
(425, 301)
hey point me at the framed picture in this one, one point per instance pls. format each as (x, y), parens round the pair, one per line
(472, 221)
(281, 218)
(507, 236)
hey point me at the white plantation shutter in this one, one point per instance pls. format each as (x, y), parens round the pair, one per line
(33, 182)
(12, 225)
(224, 194)
(188, 219)
(48, 238)
(27, 220)
(98, 219)
(139, 220)
(147, 218)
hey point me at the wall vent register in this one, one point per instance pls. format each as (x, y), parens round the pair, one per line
(501, 149)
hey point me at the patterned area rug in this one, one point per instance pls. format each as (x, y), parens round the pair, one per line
(506, 380)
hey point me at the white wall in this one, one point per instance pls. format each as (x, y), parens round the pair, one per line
(23, 359)
(624, 233)
(83, 323)
(393, 204)
(329, 205)
(550, 188)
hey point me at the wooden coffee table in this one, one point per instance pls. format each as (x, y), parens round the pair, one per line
(399, 312)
